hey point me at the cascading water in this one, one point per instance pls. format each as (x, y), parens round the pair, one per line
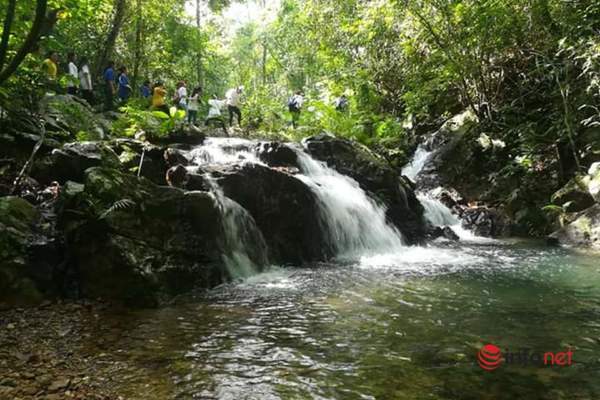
(436, 212)
(355, 224)
(418, 162)
(245, 249)
(222, 151)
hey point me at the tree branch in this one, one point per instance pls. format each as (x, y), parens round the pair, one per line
(30, 41)
(8, 20)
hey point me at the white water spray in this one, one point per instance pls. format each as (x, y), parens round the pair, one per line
(414, 168)
(354, 223)
(244, 247)
(223, 151)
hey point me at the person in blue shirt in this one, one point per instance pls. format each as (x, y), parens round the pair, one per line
(145, 90)
(109, 89)
(124, 88)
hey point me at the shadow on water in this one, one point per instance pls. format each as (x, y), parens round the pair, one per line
(372, 330)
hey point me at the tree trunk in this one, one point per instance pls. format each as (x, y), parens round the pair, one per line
(30, 41)
(138, 50)
(8, 20)
(199, 53)
(106, 52)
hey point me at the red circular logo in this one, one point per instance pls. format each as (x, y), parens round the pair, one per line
(489, 357)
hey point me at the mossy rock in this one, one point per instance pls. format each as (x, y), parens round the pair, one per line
(592, 181)
(70, 162)
(75, 116)
(583, 232)
(135, 242)
(574, 195)
(17, 218)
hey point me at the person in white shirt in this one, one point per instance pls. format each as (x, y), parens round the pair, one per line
(233, 104)
(214, 113)
(181, 96)
(194, 105)
(85, 81)
(295, 104)
(73, 75)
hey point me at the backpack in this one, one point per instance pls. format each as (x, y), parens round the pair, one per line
(293, 105)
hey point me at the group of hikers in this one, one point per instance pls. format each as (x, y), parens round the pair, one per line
(117, 89)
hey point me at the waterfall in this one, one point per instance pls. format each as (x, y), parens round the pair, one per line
(418, 162)
(354, 223)
(245, 250)
(436, 212)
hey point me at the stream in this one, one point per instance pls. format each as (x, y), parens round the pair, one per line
(380, 320)
(391, 327)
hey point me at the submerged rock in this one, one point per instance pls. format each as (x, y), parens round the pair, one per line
(375, 176)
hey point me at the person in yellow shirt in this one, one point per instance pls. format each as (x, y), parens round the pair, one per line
(51, 65)
(158, 98)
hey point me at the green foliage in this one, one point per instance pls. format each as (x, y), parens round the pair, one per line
(171, 121)
(134, 120)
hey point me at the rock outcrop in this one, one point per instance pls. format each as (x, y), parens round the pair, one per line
(133, 241)
(69, 162)
(17, 222)
(583, 231)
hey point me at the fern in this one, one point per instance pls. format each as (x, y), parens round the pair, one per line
(118, 205)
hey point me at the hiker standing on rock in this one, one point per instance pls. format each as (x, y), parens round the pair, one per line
(124, 88)
(85, 81)
(214, 113)
(233, 104)
(109, 89)
(73, 75)
(295, 104)
(194, 105)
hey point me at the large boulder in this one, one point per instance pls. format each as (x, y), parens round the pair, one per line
(277, 154)
(583, 231)
(70, 162)
(485, 221)
(375, 176)
(136, 242)
(135, 155)
(73, 116)
(592, 181)
(450, 148)
(17, 222)
(574, 196)
(284, 208)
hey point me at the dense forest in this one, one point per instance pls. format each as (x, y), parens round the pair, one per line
(528, 71)
(154, 150)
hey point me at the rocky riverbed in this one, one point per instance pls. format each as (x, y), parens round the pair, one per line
(44, 352)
